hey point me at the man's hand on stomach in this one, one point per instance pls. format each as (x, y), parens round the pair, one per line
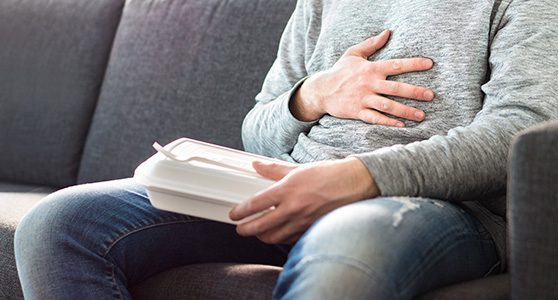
(354, 87)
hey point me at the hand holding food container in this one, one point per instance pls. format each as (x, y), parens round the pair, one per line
(201, 179)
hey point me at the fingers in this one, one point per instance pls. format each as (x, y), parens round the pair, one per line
(293, 239)
(374, 117)
(273, 171)
(263, 223)
(369, 46)
(262, 201)
(267, 198)
(394, 108)
(284, 234)
(394, 88)
(274, 227)
(392, 67)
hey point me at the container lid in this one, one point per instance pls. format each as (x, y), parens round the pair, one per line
(214, 173)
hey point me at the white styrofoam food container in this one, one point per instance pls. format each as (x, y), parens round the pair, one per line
(200, 179)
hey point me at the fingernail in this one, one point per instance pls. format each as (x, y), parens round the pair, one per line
(400, 125)
(429, 95)
(260, 164)
(430, 63)
(419, 115)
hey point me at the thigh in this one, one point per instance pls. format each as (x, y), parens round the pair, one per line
(392, 248)
(115, 221)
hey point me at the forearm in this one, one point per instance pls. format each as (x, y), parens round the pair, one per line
(469, 163)
(270, 128)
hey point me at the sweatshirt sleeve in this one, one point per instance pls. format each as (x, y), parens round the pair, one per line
(470, 162)
(269, 128)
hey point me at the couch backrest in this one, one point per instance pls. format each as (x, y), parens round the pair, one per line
(53, 56)
(180, 68)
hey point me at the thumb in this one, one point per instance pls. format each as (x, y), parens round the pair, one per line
(272, 171)
(369, 46)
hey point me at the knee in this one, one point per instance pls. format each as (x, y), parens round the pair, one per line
(77, 217)
(342, 254)
(350, 229)
(370, 243)
(333, 277)
(45, 225)
(373, 228)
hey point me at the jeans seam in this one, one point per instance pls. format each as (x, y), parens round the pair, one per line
(114, 284)
(348, 261)
(138, 229)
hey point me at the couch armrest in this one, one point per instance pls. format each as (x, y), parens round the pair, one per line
(533, 213)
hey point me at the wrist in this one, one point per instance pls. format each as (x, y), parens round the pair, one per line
(363, 182)
(304, 105)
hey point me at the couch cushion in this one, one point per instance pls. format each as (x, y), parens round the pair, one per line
(203, 281)
(210, 281)
(490, 288)
(53, 56)
(244, 281)
(15, 201)
(180, 68)
(533, 212)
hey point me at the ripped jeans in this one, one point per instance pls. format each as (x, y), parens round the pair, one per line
(95, 241)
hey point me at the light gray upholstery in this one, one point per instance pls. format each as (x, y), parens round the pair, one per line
(53, 56)
(533, 213)
(180, 68)
(15, 201)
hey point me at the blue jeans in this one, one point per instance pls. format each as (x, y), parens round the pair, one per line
(94, 241)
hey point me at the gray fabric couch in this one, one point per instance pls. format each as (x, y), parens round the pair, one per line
(87, 86)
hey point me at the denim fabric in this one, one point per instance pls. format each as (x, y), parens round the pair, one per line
(94, 241)
(387, 248)
(15, 201)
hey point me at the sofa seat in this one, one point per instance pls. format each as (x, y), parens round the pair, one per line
(15, 201)
(243, 281)
(203, 281)
(210, 281)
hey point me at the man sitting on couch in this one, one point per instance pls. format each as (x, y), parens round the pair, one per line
(359, 118)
